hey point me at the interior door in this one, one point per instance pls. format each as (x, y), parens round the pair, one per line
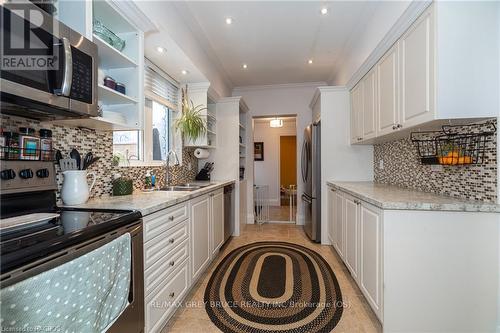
(288, 160)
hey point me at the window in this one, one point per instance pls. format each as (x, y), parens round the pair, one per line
(153, 143)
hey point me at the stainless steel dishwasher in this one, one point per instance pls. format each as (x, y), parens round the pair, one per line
(228, 212)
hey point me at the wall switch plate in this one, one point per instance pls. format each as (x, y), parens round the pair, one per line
(381, 164)
(436, 168)
(189, 166)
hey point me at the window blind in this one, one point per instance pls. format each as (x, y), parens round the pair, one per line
(160, 87)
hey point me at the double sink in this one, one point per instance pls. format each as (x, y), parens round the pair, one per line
(188, 187)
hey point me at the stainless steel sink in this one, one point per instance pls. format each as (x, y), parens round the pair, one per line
(184, 187)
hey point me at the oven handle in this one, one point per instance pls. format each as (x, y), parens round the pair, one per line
(68, 70)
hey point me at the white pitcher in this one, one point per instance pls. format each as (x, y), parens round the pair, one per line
(75, 189)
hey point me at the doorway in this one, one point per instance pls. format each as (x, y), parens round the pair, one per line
(275, 169)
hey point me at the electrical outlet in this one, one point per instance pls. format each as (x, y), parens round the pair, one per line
(189, 166)
(436, 168)
(381, 164)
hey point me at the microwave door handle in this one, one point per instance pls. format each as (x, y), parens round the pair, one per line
(68, 70)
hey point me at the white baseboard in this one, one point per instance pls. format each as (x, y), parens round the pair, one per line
(282, 222)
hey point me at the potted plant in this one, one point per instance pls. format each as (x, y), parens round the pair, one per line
(191, 123)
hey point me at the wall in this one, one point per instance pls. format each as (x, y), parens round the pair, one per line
(287, 99)
(402, 167)
(101, 144)
(267, 172)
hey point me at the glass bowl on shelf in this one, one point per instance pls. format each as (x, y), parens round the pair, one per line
(108, 36)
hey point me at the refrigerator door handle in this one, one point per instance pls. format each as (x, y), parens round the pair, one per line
(306, 198)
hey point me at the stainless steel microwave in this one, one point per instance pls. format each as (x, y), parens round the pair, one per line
(48, 71)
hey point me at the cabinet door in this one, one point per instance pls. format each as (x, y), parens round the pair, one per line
(339, 223)
(200, 235)
(370, 280)
(331, 215)
(417, 72)
(368, 120)
(356, 113)
(351, 216)
(388, 91)
(217, 220)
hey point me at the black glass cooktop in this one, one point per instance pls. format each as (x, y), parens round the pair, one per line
(22, 244)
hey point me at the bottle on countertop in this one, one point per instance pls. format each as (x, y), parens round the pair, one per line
(147, 180)
(46, 145)
(153, 180)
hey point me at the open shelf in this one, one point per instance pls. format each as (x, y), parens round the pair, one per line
(109, 57)
(109, 96)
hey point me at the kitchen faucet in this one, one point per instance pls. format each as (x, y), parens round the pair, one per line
(167, 174)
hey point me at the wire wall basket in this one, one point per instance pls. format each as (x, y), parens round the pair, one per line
(454, 145)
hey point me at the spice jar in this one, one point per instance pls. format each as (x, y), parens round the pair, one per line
(29, 143)
(12, 144)
(2, 144)
(46, 152)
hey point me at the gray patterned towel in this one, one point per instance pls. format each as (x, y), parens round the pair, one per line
(86, 294)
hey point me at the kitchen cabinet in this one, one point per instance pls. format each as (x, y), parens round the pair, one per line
(417, 72)
(357, 113)
(331, 215)
(217, 220)
(369, 98)
(351, 223)
(338, 221)
(200, 235)
(440, 71)
(370, 248)
(388, 91)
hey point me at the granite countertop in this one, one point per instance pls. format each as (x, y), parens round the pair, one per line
(397, 198)
(150, 202)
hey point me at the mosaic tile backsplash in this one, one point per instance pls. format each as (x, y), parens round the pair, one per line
(402, 167)
(101, 144)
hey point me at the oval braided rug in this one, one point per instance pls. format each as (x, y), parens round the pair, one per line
(273, 287)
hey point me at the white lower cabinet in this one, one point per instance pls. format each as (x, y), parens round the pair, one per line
(357, 238)
(217, 220)
(200, 235)
(370, 248)
(179, 244)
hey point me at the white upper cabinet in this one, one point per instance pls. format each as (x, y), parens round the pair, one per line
(369, 105)
(417, 72)
(444, 67)
(357, 114)
(388, 94)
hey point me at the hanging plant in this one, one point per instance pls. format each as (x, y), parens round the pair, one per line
(191, 123)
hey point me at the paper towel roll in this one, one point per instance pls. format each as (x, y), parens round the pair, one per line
(201, 153)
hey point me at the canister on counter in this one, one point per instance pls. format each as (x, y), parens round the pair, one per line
(3, 147)
(46, 145)
(29, 144)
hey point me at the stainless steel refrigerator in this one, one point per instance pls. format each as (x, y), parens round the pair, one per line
(311, 176)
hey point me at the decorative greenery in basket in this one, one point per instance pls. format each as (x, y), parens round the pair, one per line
(191, 124)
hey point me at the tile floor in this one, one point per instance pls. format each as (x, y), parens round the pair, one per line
(357, 316)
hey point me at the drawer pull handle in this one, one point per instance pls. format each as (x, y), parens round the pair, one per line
(171, 240)
(172, 263)
(171, 218)
(172, 294)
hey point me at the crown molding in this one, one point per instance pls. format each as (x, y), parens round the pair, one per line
(280, 86)
(235, 99)
(321, 90)
(133, 14)
(414, 10)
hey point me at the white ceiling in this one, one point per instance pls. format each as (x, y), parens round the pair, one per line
(276, 38)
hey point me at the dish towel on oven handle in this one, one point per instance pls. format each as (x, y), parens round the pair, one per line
(86, 294)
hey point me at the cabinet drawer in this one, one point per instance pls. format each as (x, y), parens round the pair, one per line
(163, 301)
(165, 266)
(155, 224)
(159, 247)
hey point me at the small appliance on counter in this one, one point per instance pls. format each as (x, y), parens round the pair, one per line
(204, 173)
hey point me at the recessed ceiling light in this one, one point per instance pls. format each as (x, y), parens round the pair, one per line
(229, 20)
(160, 49)
(310, 61)
(245, 66)
(184, 72)
(324, 11)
